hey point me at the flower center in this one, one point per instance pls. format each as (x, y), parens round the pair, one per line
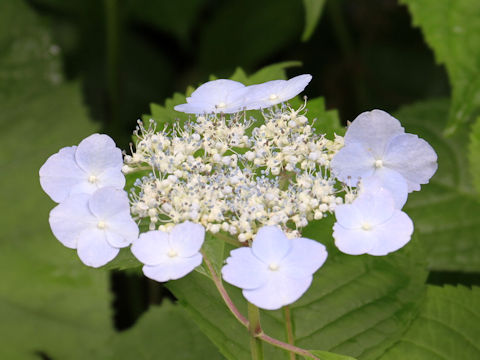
(101, 225)
(378, 163)
(273, 97)
(366, 226)
(92, 179)
(172, 253)
(221, 105)
(273, 267)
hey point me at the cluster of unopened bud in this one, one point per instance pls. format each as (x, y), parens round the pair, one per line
(234, 174)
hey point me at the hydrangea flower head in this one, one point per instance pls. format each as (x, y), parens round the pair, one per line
(275, 92)
(275, 271)
(377, 145)
(371, 224)
(96, 162)
(222, 95)
(97, 225)
(170, 255)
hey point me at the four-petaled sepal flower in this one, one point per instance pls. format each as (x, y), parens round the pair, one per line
(172, 255)
(275, 271)
(97, 225)
(95, 163)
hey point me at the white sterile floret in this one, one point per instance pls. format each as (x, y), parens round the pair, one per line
(275, 271)
(97, 225)
(170, 255)
(275, 92)
(222, 95)
(377, 145)
(96, 162)
(371, 224)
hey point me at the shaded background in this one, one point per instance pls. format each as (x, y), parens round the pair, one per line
(128, 53)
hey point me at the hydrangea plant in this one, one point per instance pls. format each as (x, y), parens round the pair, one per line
(253, 180)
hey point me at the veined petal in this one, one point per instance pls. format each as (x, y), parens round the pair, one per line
(69, 218)
(111, 177)
(271, 245)
(93, 248)
(413, 158)
(353, 242)
(305, 257)
(121, 230)
(60, 174)
(352, 163)
(152, 247)
(388, 179)
(374, 129)
(278, 291)
(392, 235)
(349, 216)
(244, 270)
(172, 269)
(107, 202)
(97, 153)
(187, 238)
(375, 207)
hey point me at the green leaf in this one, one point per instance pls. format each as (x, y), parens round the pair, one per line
(357, 305)
(452, 29)
(163, 332)
(446, 327)
(445, 212)
(324, 355)
(50, 303)
(313, 11)
(474, 155)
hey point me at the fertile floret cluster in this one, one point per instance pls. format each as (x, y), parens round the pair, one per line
(229, 175)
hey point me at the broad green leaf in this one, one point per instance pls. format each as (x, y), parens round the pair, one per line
(447, 327)
(474, 154)
(357, 305)
(50, 303)
(324, 355)
(163, 332)
(452, 29)
(313, 11)
(445, 212)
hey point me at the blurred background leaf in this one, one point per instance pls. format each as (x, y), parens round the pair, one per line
(50, 305)
(313, 10)
(452, 29)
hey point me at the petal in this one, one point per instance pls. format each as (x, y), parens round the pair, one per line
(187, 238)
(388, 179)
(173, 269)
(152, 247)
(375, 207)
(93, 248)
(351, 163)
(295, 86)
(393, 234)
(111, 177)
(213, 91)
(349, 216)
(271, 245)
(69, 218)
(121, 230)
(108, 201)
(60, 173)
(264, 95)
(353, 242)
(97, 153)
(244, 270)
(374, 129)
(195, 108)
(278, 291)
(413, 158)
(305, 257)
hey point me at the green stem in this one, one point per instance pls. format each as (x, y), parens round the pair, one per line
(289, 329)
(228, 239)
(254, 327)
